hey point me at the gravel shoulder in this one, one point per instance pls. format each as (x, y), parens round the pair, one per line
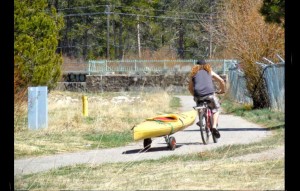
(233, 130)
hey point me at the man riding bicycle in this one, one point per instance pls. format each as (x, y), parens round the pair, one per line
(201, 85)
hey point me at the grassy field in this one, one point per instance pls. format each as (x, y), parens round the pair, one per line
(202, 171)
(221, 174)
(110, 119)
(264, 117)
(209, 170)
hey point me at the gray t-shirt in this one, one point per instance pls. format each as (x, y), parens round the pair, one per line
(203, 84)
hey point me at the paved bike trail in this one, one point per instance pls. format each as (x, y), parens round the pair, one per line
(233, 130)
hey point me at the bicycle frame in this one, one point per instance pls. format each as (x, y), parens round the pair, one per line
(204, 110)
(209, 116)
(205, 129)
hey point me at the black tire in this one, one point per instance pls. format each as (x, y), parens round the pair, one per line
(82, 78)
(172, 143)
(204, 131)
(147, 143)
(215, 139)
(69, 78)
(72, 77)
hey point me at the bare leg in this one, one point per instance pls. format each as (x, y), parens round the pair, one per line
(215, 122)
(215, 119)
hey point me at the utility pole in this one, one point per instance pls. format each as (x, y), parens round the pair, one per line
(107, 11)
(210, 31)
(181, 33)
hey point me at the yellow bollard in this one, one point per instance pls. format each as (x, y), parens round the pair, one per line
(84, 106)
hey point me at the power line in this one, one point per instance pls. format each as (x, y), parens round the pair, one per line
(126, 47)
(129, 14)
(85, 7)
(159, 10)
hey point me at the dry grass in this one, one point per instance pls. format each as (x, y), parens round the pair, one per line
(72, 64)
(68, 128)
(164, 53)
(104, 114)
(209, 170)
(168, 175)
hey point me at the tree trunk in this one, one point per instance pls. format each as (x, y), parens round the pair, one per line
(85, 47)
(138, 37)
(180, 42)
(259, 95)
(120, 48)
(114, 35)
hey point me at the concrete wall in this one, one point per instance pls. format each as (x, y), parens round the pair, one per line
(127, 83)
(71, 86)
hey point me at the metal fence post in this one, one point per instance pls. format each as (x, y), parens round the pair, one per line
(224, 62)
(105, 61)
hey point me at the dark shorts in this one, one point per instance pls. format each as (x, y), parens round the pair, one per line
(214, 104)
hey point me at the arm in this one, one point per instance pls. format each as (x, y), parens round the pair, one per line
(220, 81)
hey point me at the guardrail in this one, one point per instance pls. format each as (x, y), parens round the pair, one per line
(152, 66)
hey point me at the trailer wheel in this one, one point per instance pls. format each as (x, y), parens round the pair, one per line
(172, 143)
(147, 143)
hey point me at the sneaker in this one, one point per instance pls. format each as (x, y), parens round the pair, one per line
(216, 133)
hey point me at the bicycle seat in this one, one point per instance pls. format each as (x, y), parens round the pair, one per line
(204, 100)
(201, 101)
(207, 97)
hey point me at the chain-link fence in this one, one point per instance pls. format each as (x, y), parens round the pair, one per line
(273, 77)
(237, 88)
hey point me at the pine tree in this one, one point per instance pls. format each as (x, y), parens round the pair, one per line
(273, 11)
(36, 33)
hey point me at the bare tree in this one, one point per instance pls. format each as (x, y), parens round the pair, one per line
(243, 33)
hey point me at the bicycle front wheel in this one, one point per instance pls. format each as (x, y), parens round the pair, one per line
(204, 131)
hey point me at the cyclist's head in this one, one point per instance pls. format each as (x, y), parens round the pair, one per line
(201, 62)
(203, 65)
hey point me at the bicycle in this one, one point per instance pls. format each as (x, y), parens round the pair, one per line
(205, 120)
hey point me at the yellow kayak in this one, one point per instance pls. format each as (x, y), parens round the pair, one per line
(163, 125)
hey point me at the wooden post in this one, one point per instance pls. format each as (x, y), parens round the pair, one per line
(84, 106)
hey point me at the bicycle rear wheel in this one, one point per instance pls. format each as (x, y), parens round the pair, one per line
(204, 131)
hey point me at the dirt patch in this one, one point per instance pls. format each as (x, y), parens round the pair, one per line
(272, 154)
